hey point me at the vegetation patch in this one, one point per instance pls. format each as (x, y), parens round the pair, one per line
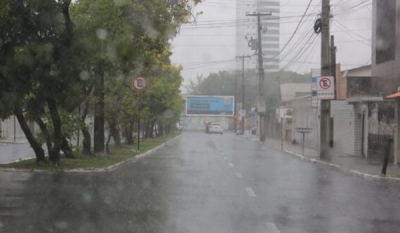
(119, 154)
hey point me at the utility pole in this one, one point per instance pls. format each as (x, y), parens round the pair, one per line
(325, 71)
(261, 76)
(333, 73)
(235, 111)
(242, 120)
(333, 62)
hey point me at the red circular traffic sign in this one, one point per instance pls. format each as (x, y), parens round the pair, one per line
(139, 83)
(325, 83)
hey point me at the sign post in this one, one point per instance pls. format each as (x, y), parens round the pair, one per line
(139, 84)
(303, 131)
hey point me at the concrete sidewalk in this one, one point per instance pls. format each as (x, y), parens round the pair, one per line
(350, 164)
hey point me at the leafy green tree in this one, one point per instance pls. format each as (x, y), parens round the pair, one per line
(36, 43)
(51, 63)
(124, 36)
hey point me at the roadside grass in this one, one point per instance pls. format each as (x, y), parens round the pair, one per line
(116, 155)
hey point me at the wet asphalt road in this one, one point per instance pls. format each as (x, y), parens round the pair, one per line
(201, 184)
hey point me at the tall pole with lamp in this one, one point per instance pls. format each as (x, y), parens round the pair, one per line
(261, 102)
(242, 110)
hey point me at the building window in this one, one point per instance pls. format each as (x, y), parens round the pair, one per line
(385, 30)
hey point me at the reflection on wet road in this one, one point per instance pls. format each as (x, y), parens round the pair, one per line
(201, 183)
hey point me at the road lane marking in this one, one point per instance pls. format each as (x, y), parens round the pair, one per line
(225, 158)
(250, 192)
(238, 175)
(231, 165)
(272, 228)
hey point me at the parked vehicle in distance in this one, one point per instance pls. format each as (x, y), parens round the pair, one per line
(216, 128)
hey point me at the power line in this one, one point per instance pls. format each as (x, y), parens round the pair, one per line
(237, 22)
(353, 34)
(232, 35)
(293, 48)
(295, 31)
(301, 51)
(298, 43)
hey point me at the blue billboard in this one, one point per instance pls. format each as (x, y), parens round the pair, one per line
(210, 105)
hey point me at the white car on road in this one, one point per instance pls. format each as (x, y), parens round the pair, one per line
(216, 128)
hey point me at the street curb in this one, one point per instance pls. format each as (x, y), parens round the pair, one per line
(346, 171)
(336, 167)
(18, 160)
(98, 170)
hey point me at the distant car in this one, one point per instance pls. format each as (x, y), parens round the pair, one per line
(216, 128)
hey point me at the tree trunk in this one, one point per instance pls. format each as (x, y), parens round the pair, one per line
(67, 149)
(39, 152)
(116, 135)
(156, 127)
(45, 133)
(147, 130)
(152, 129)
(99, 111)
(109, 139)
(129, 134)
(55, 116)
(167, 130)
(143, 130)
(87, 140)
(161, 129)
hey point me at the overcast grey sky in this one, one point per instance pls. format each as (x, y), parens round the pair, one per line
(210, 46)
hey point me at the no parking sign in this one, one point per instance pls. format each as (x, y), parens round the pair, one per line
(325, 88)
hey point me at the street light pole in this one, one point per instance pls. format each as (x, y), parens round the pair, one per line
(235, 112)
(242, 120)
(261, 76)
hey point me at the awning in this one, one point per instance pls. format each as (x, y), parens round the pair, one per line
(394, 95)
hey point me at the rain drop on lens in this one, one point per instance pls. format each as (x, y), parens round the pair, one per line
(84, 75)
(101, 33)
(61, 224)
(87, 198)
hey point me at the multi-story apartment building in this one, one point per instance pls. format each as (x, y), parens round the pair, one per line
(386, 45)
(247, 28)
(385, 62)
